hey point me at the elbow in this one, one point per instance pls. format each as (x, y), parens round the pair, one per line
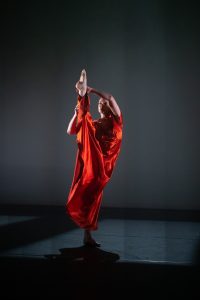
(111, 98)
(70, 132)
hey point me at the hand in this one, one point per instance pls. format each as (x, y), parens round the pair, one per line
(79, 85)
(89, 89)
(76, 109)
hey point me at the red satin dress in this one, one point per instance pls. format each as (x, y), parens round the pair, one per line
(99, 144)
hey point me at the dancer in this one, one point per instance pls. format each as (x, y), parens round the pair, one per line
(99, 143)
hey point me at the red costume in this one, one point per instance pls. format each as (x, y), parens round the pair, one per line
(99, 144)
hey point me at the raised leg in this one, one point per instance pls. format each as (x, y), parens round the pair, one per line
(81, 85)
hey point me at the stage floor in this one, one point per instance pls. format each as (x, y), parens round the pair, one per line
(142, 237)
(140, 247)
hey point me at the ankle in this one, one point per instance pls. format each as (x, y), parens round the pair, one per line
(87, 234)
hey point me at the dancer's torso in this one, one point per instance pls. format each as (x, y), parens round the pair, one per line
(106, 132)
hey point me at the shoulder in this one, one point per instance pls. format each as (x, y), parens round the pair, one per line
(118, 119)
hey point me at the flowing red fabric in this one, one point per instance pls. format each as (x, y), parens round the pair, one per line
(99, 144)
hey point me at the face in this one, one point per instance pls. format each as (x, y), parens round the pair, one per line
(103, 106)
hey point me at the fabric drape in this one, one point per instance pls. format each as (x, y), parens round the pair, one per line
(99, 144)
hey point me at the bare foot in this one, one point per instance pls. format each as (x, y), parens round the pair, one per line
(91, 242)
(88, 240)
(81, 85)
(83, 76)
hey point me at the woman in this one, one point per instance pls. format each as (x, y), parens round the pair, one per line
(99, 144)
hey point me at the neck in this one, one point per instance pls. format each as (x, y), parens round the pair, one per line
(105, 115)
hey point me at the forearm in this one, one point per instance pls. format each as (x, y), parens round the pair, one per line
(101, 94)
(72, 125)
(111, 100)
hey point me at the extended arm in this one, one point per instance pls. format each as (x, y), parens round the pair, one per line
(112, 102)
(73, 122)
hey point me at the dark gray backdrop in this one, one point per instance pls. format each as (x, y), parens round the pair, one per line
(146, 53)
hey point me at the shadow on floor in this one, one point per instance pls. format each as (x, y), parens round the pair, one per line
(85, 254)
(34, 230)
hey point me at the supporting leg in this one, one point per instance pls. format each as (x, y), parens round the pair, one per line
(88, 240)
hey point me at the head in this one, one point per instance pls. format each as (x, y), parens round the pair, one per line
(103, 107)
